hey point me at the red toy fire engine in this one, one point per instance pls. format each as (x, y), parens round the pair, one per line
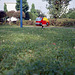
(42, 21)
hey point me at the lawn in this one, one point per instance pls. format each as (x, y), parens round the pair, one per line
(33, 51)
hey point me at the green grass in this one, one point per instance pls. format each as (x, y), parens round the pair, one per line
(31, 50)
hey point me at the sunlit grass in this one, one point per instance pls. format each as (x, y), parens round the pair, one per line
(33, 50)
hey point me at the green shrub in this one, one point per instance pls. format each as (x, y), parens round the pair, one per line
(62, 22)
(30, 15)
(4, 23)
(28, 22)
(71, 15)
(2, 17)
(69, 23)
(25, 22)
(2, 14)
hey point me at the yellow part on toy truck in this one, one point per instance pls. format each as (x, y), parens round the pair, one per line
(45, 19)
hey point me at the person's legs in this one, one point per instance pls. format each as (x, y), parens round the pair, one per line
(42, 26)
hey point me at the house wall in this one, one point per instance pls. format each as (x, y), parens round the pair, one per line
(11, 6)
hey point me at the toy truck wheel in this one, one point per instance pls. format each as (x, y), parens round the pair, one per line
(41, 24)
